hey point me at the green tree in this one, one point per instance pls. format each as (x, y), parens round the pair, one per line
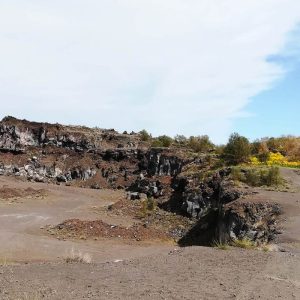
(162, 141)
(237, 150)
(200, 143)
(145, 136)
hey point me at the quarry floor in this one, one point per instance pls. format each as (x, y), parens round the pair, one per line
(32, 261)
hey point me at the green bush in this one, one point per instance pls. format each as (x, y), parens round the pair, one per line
(272, 177)
(200, 143)
(145, 136)
(258, 176)
(147, 207)
(253, 178)
(236, 174)
(237, 150)
(162, 141)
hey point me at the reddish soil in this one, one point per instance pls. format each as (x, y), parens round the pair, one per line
(94, 229)
(8, 193)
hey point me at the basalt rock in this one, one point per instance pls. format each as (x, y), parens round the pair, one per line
(17, 135)
(255, 222)
(157, 163)
(46, 152)
(220, 214)
(152, 188)
(197, 200)
(252, 221)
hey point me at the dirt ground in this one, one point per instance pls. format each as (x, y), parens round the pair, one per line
(33, 266)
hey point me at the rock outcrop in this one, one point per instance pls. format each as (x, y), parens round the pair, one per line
(256, 222)
(99, 158)
(45, 152)
(17, 135)
(196, 199)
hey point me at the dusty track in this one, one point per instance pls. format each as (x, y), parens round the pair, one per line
(22, 237)
(147, 271)
(290, 203)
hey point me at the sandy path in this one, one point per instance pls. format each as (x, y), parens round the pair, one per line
(290, 203)
(190, 273)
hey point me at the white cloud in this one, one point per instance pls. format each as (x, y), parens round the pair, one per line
(172, 66)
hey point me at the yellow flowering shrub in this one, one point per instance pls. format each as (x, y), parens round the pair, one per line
(255, 161)
(275, 159)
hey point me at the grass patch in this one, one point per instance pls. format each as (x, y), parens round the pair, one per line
(236, 174)
(265, 248)
(78, 257)
(220, 245)
(257, 176)
(5, 262)
(244, 243)
(148, 206)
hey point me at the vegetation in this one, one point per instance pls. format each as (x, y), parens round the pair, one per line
(287, 146)
(200, 143)
(220, 245)
(4, 261)
(145, 136)
(274, 159)
(78, 257)
(236, 174)
(283, 151)
(162, 141)
(180, 139)
(253, 176)
(147, 207)
(244, 243)
(237, 150)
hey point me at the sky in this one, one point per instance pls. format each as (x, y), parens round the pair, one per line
(189, 67)
(276, 111)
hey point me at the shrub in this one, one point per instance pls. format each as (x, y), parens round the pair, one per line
(220, 245)
(269, 176)
(180, 139)
(272, 177)
(289, 146)
(145, 136)
(237, 149)
(254, 161)
(151, 204)
(244, 243)
(162, 141)
(147, 207)
(78, 257)
(200, 143)
(156, 143)
(236, 174)
(275, 159)
(253, 177)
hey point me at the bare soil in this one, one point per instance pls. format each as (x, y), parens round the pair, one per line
(33, 261)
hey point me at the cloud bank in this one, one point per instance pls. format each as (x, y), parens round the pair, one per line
(172, 66)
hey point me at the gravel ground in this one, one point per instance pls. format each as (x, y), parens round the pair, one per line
(138, 271)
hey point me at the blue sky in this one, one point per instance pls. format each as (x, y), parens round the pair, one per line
(276, 111)
(187, 67)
